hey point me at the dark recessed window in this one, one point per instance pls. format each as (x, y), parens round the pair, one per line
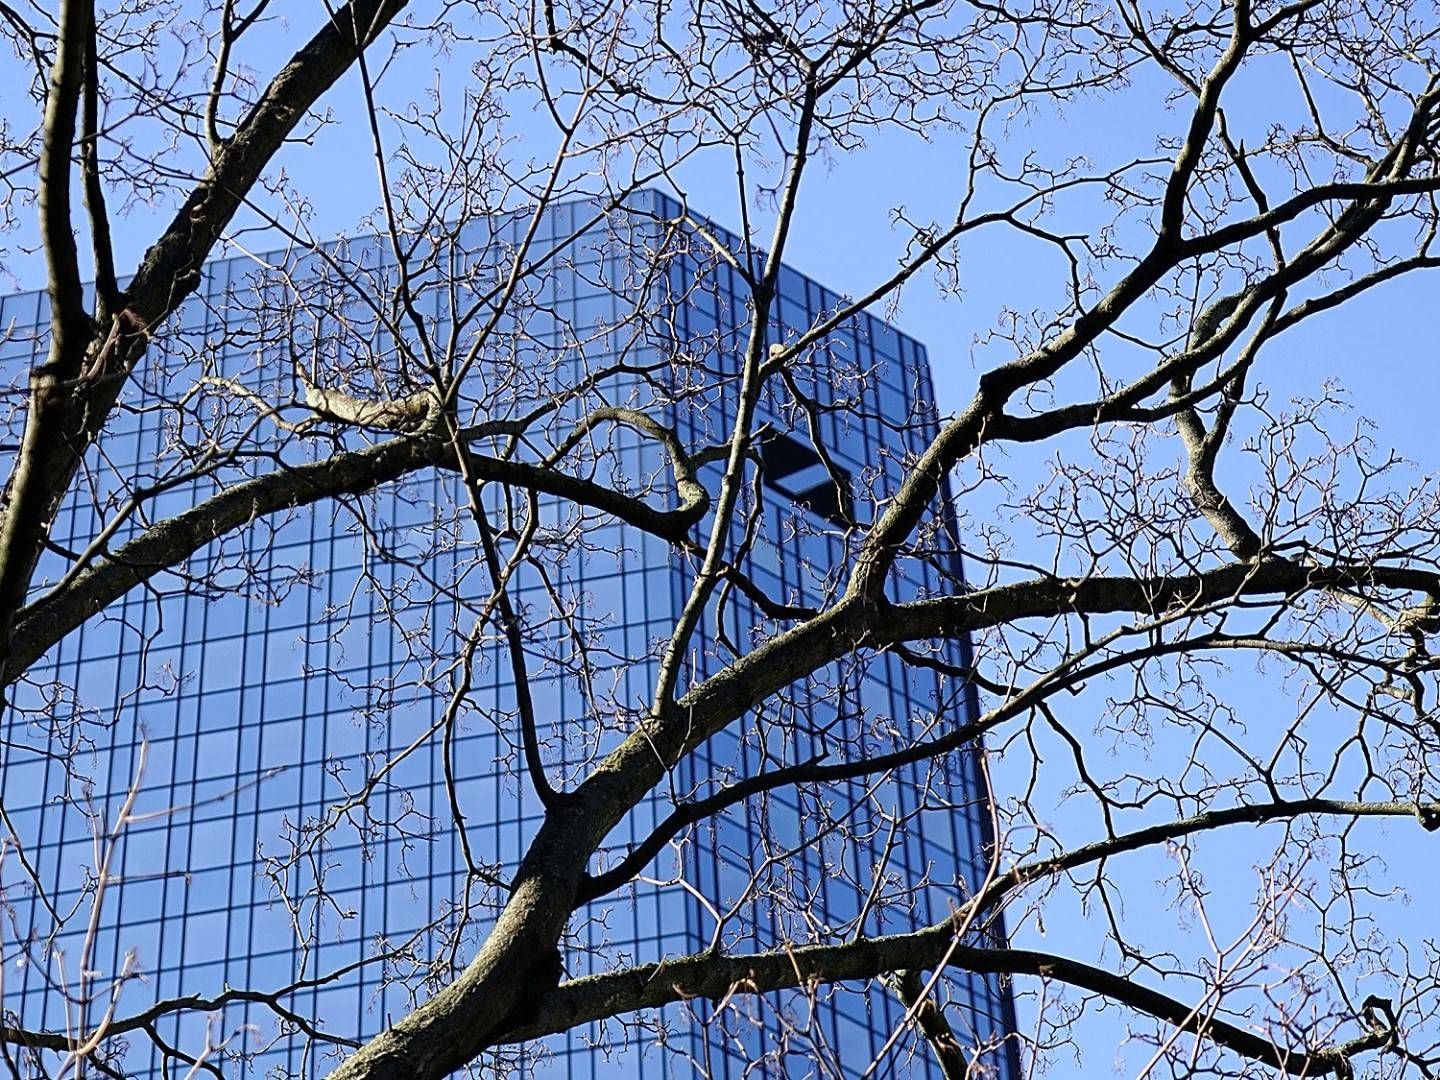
(795, 470)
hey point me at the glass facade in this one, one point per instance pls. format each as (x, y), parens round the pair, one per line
(297, 754)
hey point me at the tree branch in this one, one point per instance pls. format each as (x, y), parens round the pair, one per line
(73, 393)
(650, 986)
(169, 543)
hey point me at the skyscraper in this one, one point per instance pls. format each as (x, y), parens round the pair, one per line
(315, 717)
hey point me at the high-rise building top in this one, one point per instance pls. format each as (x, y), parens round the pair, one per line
(322, 747)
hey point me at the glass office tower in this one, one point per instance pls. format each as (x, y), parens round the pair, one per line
(320, 747)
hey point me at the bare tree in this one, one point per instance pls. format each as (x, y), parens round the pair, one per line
(1201, 618)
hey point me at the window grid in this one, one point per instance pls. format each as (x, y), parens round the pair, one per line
(250, 739)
